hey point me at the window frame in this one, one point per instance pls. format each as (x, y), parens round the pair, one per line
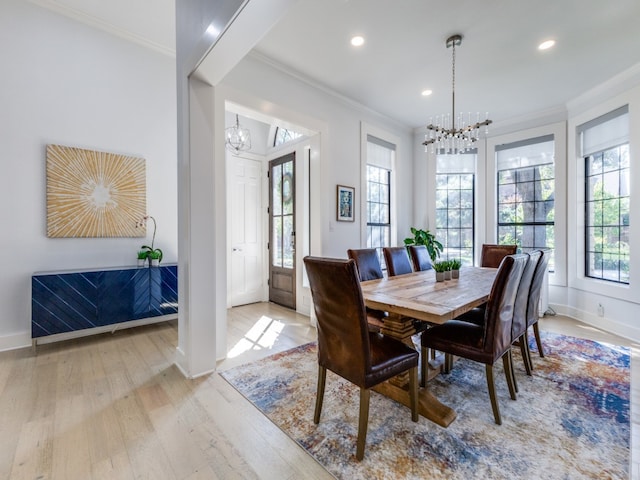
(518, 172)
(591, 290)
(367, 130)
(445, 241)
(559, 131)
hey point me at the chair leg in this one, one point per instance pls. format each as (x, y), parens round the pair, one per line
(425, 366)
(363, 422)
(322, 377)
(526, 353)
(448, 363)
(507, 361)
(492, 394)
(536, 331)
(413, 393)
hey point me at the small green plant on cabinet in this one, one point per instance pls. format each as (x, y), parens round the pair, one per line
(155, 254)
(455, 264)
(426, 238)
(142, 255)
(150, 252)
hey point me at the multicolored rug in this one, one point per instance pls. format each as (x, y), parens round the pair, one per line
(571, 419)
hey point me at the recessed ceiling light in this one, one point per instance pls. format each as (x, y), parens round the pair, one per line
(357, 41)
(546, 45)
(426, 93)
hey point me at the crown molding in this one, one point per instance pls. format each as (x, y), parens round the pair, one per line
(610, 88)
(100, 24)
(349, 102)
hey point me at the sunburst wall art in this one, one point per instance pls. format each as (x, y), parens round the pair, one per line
(94, 194)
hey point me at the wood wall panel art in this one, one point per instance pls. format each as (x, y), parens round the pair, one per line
(94, 194)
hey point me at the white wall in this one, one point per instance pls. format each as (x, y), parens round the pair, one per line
(258, 85)
(65, 83)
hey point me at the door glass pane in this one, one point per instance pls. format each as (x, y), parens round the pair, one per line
(277, 242)
(287, 188)
(287, 241)
(277, 189)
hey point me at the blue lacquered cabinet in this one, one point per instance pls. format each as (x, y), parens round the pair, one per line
(63, 302)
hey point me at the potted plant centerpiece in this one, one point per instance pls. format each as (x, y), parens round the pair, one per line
(447, 271)
(142, 257)
(153, 254)
(440, 268)
(455, 265)
(426, 238)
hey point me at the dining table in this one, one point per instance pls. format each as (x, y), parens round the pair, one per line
(415, 301)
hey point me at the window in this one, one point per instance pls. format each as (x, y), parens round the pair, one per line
(605, 150)
(455, 181)
(526, 185)
(379, 161)
(284, 135)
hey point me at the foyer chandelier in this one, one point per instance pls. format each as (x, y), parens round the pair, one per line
(450, 133)
(237, 138)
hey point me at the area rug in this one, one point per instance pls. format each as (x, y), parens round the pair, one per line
(570, 421)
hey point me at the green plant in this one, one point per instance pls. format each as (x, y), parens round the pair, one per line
(455, 264)
(426, 238)
(440, 267)
(143, 254)
(150, 252)
(155, 254)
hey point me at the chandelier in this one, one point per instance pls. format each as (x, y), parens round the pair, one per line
(451, 133)
(238, 139)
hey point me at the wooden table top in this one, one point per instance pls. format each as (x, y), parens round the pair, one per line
(418, 295)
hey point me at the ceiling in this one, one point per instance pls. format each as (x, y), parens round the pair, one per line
(498, 66)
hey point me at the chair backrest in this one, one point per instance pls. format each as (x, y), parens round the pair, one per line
(397, 260)
(499, 311)
(492, 254)
(343, 335)
(522, 297)
(367, 262)
(533, 306)
(420, 258)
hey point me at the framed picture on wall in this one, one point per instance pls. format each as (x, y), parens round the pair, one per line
(346, 203)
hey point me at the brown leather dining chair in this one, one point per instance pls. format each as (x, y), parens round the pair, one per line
(368, 263)
(520, 311)
(420, 258)
(347, 347)
(519, 328)
(533, 306)
(491, 341)
(397, 260)
(492, 254)
(369, 268)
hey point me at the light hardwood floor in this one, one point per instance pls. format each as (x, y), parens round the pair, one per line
(113, 406)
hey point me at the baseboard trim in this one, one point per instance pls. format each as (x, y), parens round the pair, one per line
(15, 342)
(603, 323)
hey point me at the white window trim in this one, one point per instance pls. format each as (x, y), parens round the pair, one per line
(559, 132)
(366, 130)
(575, 206)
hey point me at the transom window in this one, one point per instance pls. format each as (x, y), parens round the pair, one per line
(284, 135)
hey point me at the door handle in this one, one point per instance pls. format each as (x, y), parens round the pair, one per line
(235, 249)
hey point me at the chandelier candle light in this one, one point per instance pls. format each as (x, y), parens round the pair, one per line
(450, 133)
(238, 138)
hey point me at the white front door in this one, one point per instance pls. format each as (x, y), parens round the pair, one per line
(247, 245)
